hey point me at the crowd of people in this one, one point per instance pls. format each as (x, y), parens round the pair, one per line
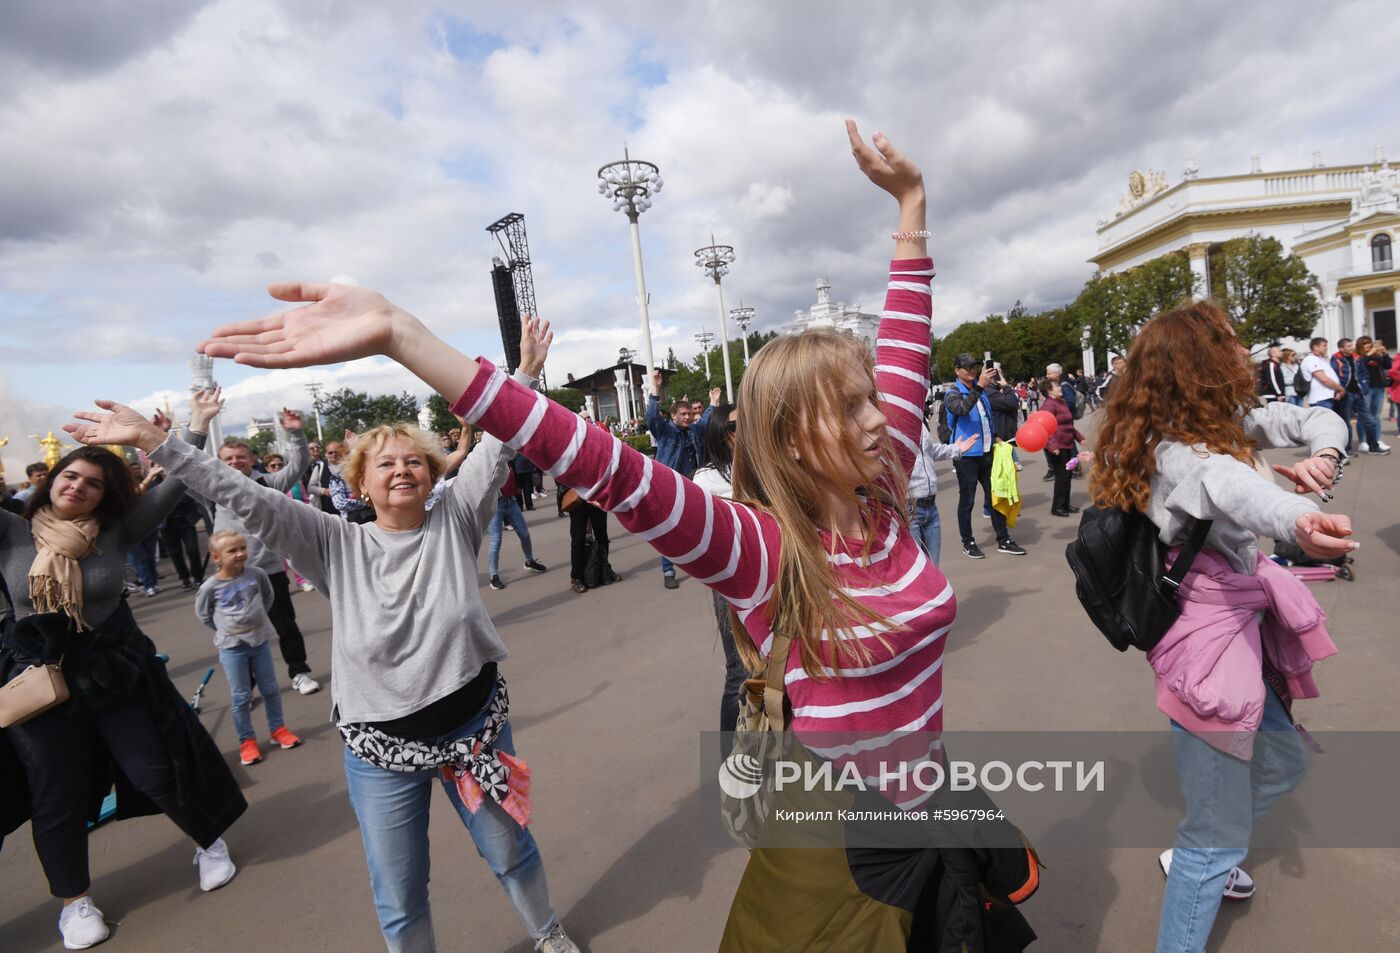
(810, 511)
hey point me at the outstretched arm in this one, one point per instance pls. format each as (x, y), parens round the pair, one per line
(902, 343)
(284, 525)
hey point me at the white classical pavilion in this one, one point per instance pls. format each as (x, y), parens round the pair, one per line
(1343, 221)
(825, 314)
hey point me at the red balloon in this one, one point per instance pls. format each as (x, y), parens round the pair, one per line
(1031, 438)
(1043, 419)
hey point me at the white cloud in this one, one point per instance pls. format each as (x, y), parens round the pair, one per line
(174, 162)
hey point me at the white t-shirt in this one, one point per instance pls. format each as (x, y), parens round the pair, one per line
(1317, 390)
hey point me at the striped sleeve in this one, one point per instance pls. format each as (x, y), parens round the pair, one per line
(729, 547)
(902, 352)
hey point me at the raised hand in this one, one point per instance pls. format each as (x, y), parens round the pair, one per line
(340, 323)
(122, 426)
(656, 381)
(290, 419)
(1323, 535)
(162, 421)
(204, 407)
(885, 165)
(535, 338)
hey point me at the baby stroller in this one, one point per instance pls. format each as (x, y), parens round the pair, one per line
(1292, 555)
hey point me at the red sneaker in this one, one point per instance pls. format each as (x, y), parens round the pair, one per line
(248, 752)
(284, 737)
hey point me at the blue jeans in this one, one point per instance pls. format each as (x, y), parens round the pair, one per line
(238, 662)
(928, 531)
(507, 508)
(1368, 417)
(668, 568)
(392, 808)
(1225, 797)
(143, 560)
(1295, 400)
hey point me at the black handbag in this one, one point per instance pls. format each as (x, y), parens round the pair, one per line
(1120, 575)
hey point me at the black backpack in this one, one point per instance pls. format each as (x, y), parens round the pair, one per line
(1120, 575)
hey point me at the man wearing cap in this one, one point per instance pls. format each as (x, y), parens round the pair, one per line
(969, 414)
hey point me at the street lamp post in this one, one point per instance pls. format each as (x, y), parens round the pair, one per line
(315, 388)
(630, 184)
(715, 260)
(705, 337)
(743, 317)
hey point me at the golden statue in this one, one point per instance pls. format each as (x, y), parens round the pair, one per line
(53, 448)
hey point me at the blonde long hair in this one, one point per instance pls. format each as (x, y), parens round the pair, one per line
(792, 385)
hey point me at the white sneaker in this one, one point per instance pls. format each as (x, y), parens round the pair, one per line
(1238, 884)
(1382, 445)
(305, 684)
(556, 941)
(81, 925)
(215, 867)
(307, 587)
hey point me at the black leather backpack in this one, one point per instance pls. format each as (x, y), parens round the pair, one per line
(1120, 575)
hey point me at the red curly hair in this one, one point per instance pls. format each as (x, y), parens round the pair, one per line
(1186, 381)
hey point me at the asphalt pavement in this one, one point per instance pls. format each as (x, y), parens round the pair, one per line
(609, 692)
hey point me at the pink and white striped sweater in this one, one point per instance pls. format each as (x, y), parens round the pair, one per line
(734, 549)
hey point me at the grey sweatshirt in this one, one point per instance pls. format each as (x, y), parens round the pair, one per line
(236, 609)
(408, 623)
(1244, 503)
(269, 560)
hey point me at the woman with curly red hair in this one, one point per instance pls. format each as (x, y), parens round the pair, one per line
(1179, 443)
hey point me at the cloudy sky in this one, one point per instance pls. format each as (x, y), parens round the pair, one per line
(165, 159)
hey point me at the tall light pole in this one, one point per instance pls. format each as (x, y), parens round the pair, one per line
(630, 184)
(315, 388)
(715, 260)
(743, 317)
(705, 337)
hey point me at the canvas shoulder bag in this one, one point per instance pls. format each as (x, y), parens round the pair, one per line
(761, 737)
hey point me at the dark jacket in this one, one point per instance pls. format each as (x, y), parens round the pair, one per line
(1006, 411)
(672, 441)
(1372, 368)
(1271, 379)
(1344, 370)
(111, 664)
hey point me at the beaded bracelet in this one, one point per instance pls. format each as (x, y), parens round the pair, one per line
(910, 236)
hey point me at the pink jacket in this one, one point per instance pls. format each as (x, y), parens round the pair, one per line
(1209, 665)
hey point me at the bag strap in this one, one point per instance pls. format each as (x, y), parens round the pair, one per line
(774, 689)
(1189, 551)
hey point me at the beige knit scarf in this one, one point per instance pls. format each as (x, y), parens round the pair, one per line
(55, 580)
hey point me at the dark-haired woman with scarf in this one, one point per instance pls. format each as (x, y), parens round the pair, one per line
(63, 565)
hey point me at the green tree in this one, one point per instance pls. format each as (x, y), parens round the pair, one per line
(355, 410)
(440, 413)
(1268, 293)
(261, 443)
(1111, 308)
(570, 398)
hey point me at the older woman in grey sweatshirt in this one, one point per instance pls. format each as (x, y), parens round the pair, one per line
(414, 656)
